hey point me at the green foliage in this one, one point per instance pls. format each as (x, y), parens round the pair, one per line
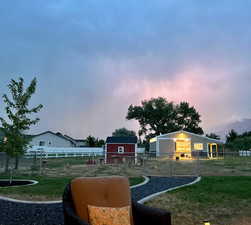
(240, 143)
(157, 116)
(17, 111)
(213, 135)
(94, 142)
(231, 136)
(214, 190)
(90, 140)
(100, 142)
(123, 132)
(236, 142)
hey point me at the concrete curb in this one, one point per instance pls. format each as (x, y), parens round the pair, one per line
(141, 184)
(149, 197)
(60, 201)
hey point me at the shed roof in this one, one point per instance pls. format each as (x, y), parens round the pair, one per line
(122, 140)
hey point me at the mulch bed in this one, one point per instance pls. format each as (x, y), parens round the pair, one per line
(6, 183)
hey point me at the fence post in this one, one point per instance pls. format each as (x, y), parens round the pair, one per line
(170, 164)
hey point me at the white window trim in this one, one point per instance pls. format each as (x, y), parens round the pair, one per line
(198, 143)
(121, 149)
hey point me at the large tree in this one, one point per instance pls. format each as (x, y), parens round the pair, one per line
(123, 132)
(188, 118)
(157, 115)
(17, 110)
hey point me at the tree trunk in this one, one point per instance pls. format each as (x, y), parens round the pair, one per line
(7, 162)
(16, 162)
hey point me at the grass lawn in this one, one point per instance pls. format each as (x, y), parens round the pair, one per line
(221, 200)
(48, 188)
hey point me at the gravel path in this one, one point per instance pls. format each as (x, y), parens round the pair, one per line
(12, 213)
(157, 184)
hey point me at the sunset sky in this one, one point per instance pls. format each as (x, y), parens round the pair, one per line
(94, 58)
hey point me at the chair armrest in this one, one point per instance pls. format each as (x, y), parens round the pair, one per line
(145, 215)
(70, 216)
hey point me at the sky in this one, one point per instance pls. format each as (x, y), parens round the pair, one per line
(94, 58)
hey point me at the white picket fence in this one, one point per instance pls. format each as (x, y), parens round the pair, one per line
(59, 152)
(49, 152)
(245, 153)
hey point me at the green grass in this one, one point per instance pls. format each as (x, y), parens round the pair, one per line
(48, 188)
(212, 190)
(222, 200)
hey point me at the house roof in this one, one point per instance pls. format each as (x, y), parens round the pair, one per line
(121, 140)
(80, 140)
(203, 136)
(50, 132)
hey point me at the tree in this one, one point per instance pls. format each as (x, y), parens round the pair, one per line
(94, 142)
(157, 116)
(213, 135)
(231, 136)
(240, 143)
(188, 118)
(123, 132)
(90, 140)
(17, 110)
(100, 142)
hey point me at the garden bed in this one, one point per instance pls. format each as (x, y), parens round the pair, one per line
(8, 183)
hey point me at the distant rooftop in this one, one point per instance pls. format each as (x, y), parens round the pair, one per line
(122, 140)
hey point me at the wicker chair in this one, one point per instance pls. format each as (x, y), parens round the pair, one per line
(108, 192)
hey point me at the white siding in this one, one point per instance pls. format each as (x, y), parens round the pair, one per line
(51, 140)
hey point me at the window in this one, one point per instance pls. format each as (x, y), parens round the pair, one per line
(41, 143)
(121, 149)
(198, 146)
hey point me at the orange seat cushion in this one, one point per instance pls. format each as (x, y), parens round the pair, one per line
(109, 215)
(113, 191)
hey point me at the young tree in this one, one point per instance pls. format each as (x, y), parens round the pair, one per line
(18, 111)
(157, 116)
(123, 132)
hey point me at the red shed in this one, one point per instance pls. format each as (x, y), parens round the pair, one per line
(118, 149)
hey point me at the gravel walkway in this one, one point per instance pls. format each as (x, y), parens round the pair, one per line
(157, 184)
(12, 213)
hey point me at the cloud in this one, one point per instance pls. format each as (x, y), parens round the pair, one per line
(95, 58)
